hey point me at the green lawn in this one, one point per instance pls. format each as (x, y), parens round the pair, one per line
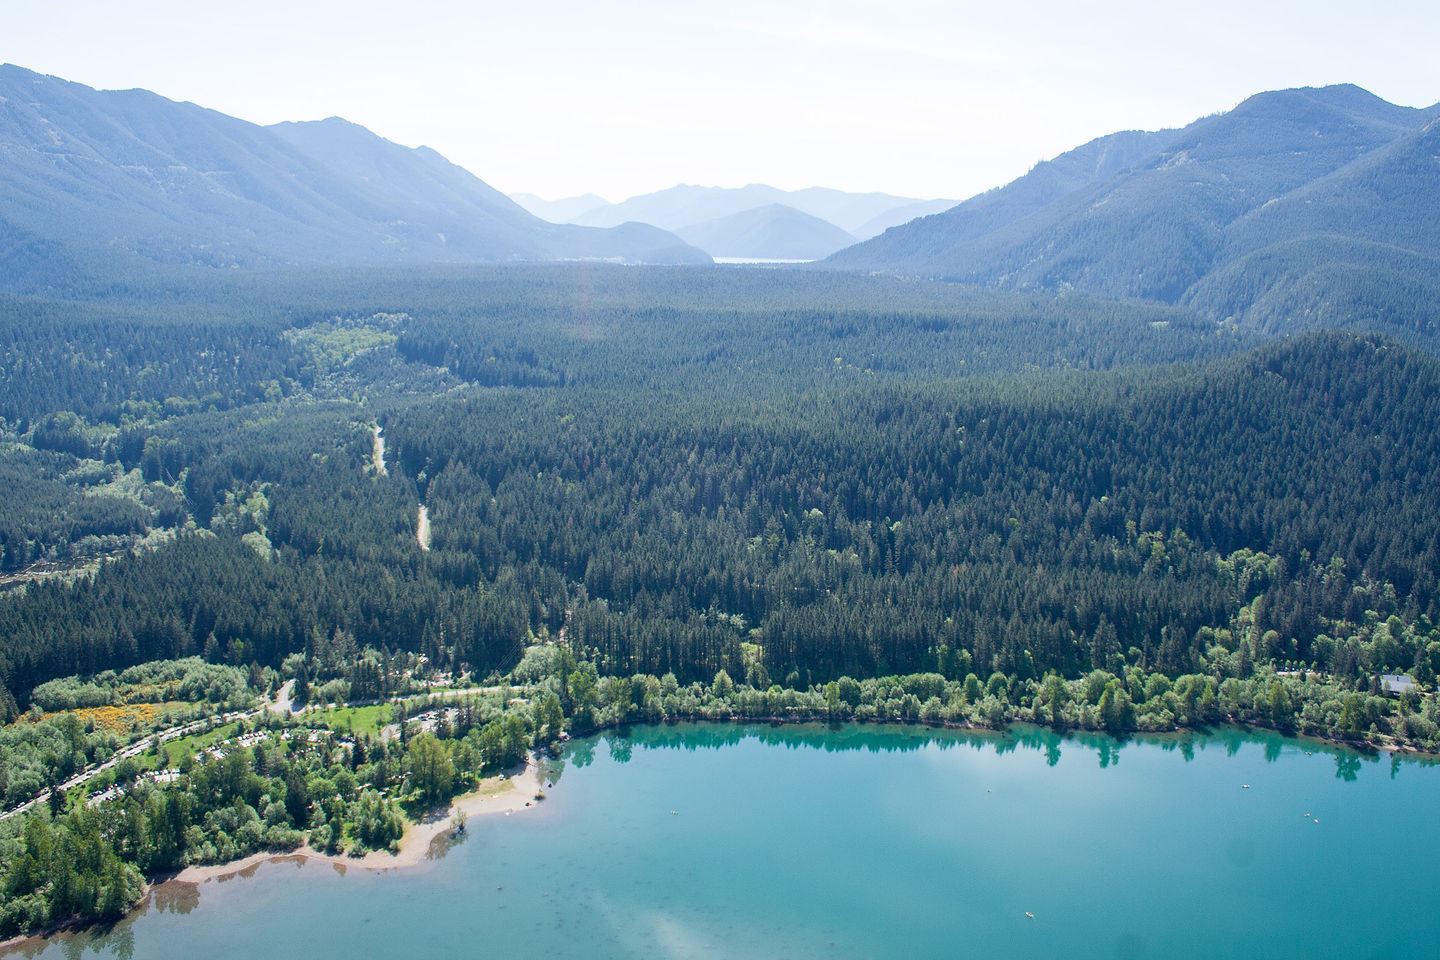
(357, 720)
(194, 743)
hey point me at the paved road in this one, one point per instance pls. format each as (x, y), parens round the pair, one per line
(281, 703)
(133, 750)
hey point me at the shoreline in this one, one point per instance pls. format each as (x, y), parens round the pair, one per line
(1386, 744)
(493, 797)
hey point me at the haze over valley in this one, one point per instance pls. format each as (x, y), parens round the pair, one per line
(1309, 203)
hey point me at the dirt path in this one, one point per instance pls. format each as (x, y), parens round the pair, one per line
(377, 455)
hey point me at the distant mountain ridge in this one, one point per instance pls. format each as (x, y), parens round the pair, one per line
(686, 205)
(749, 221)
(1298, 209)
(129, 175)
(773, 231)
(1320, 183)
(564, 210)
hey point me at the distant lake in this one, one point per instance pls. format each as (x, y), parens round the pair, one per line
(878, 842)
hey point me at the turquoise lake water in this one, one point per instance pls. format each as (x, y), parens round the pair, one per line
(876, 842)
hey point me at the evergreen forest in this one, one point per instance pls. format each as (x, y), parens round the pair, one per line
(651, 493)
(806, 475)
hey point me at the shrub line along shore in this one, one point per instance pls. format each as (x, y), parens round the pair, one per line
(492, 797)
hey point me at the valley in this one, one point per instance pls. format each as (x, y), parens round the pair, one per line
(1139, 451)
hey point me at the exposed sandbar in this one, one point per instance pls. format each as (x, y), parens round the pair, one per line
(493, 797)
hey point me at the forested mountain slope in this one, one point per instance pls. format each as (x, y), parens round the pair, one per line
(1293, 168)
(1358, 247)
(107, 179)
(934, 238)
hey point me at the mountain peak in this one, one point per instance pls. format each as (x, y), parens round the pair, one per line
(686, 205)
(772, 231)
(1324, 106)
(178, 183)
(1236, 210)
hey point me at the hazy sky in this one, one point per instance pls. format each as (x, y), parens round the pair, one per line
(919, 98)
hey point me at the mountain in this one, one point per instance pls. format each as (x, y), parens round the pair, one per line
(125, 177)
(991, 213)
(1281, 179)
(683, 205)
(852, 211)
(895, 216)
(773, 231)
(687, 205)
(1358, 246)
(560, 211)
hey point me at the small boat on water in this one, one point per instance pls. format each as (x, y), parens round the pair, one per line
(1029, 914)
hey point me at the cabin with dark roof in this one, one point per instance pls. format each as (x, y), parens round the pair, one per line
(1397, 684)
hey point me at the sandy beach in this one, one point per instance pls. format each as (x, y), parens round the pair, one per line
(493, 797)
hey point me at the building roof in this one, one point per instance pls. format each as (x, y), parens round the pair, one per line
(1397, 682)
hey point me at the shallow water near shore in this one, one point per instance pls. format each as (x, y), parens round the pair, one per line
(732, 841)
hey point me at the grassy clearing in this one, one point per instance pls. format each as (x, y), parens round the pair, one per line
(196, 742)
(356, 720)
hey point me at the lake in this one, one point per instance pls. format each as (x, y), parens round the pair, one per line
(866, 841)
